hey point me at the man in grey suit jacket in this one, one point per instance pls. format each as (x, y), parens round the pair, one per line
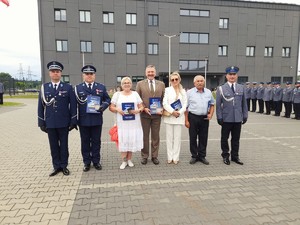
(150, 88)
(232, 112)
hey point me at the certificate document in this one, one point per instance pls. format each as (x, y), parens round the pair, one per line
(93, 104)
(176, 105)
(155, 105)
(126, 107)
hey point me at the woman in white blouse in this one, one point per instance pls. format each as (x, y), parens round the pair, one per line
(174, 102)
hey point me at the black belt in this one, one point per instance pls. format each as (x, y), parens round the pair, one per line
(201, 116)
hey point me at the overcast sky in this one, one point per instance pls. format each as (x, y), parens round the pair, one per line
(19, 38)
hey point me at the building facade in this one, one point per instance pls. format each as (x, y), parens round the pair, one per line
(121, 37)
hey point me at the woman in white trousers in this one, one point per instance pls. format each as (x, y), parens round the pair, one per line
(174, 103)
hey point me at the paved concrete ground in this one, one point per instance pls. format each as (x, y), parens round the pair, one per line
(266, 190)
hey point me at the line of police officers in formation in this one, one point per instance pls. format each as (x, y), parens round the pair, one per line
(272, 96)
(59, 103)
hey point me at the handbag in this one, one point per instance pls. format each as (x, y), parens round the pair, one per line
(113, 132)
(166, 113)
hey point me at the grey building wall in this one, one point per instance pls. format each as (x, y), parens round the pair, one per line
(250, 24)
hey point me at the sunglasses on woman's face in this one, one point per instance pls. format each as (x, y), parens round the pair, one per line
(175, 79)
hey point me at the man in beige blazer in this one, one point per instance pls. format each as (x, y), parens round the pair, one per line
(150, 88)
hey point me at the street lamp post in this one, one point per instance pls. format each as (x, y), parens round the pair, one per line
(205, 70)
(169, 37)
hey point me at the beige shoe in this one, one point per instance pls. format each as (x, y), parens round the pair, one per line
(170, 161)
(130, 164)
(123, 165)
(176, 162)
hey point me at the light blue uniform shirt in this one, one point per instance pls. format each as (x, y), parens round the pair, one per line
(199, 102)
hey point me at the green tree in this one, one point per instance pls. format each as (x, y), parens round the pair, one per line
(5, 76)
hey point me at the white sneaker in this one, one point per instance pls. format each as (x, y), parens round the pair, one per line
(130, 164)
(123, 165)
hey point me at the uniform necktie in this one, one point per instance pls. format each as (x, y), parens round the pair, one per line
(151, 87)
(55, 86)
(232, 88)
(90, 86)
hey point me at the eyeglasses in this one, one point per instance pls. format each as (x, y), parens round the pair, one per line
(175, 79)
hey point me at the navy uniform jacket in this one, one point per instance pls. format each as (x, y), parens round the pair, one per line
(296, 95)
(231, 107)
(268, 94)
(253, 92)
(287, 94)
(277, 94)
(57, 108)
(248, 92)
(260, 92)
(82, 92)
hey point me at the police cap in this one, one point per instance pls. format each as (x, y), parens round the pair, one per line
(288, 83)
(254, 83)
(88, 69)
(261, 82)
(54, 65)
(232, 69)
(269, 82)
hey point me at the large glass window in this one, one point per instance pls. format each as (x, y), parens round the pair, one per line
(285, 79)
(131, 48)
(84, 16)
(242, 79)
(136, 79)
(222, 50)
(85, 46)
(194, 12)
(153, 49)
(60, 14)
(276, 79)
(195, 38)
(250, 51)
(61, 45)
(192, 65)
(108, 17)
(153, 20)
(268, 52)
(109, 47)
(223, 23)
(286, 52)
(131, 18)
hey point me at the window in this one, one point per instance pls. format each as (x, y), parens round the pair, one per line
(195, 38)
(153, 20)
(136, 79)
(286, 52)
(250, 51)
(85, 16)
(108, 17)
(268, 51)
(242, 79)
(276, 79)
(65, 78)
(119, 78)
(285, 79)
(60, 14)
(193, 12)
(222, 50)
(223, 23)
(153, 49)
(61, 45)
(131, 48)
(109, 47)
(131, 18)
(85, 46)
(192, 65)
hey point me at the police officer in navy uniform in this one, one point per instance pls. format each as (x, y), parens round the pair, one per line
(57, 115)
(268, 96)
(259, 96)
(92, 100)
(277, 98)
(232, 112)
(248, 94)
(254, 96)
(296, 100)
(287, 95)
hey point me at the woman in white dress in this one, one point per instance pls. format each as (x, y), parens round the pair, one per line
(128, 105)
(175, 103)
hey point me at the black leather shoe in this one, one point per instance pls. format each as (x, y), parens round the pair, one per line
(144, 161)
(193, 160)
(155, 161)
(238, 161)
(204, 161)
(66, 172)
(98, 166)
(226, 161)
(86, 167)
(54, 172)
